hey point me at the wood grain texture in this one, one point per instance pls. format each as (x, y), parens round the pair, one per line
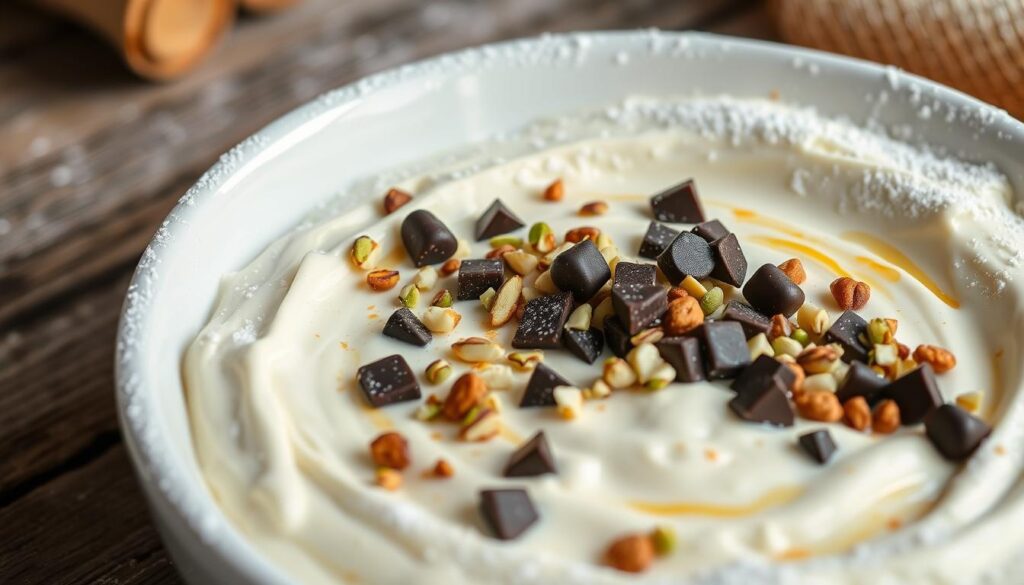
(92, 160)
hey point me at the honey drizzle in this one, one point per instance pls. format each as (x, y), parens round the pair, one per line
(893, 256)
(770, 499)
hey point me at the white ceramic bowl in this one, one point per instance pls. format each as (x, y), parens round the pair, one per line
(267, 183)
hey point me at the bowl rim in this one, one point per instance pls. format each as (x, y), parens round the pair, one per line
(168, 488)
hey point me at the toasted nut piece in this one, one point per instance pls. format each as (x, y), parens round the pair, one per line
(394, 199)
(390, 450)
(426, 278)
(526, 360)
(438, 371)
(780, 327)
(712, 300)
(813, 318)
(409, 296)
(499, 252)
(365, 252)
(506, 240)
(684, 314)
(787, 346)
(794, 269)
(466, 393)
(617, 373)
(819, 406)
(462, 250)
(820, 359)
(886, 418)
(902, 350)
(604, 310)
(577, 235)
(798, 376)
(631, 554)
(550, 256)
(580, 318)
(569, 401)
(505, 301)
(450, 266)
(678, 292)
(544, 284)
(759, 345)
(597, 391)
(381, 280)
(970, 401)
(610, 255)
(879, 332)
(496, 376)
(664, 540)
(442, 469)
(487, 298)
(388, 479)
(476, 350)
(644, 359)
(555, 191)
(440, 319)
(442, 299)
(430, 409)
(529, 293)
(857, 413)
(594, 208)
(694, 287)
(941, 360)
(662, 376)
(885, 355)
(484, 427)
(652, 335)
(541, 237)
(893, 325)
(849, 293)
(820, 383)
(522, 263)
(604, 241)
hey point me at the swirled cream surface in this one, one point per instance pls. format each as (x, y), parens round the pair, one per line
(281, 428)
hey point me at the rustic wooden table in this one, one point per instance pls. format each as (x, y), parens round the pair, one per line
(92, 159)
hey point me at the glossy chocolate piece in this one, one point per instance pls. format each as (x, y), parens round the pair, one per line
(688, 254)
(730, 263)
(637, 308)
(633, 275)
(956, 433)
(533, 458)
(478, 275)
(657, 238)
(767, 404)
(496, 220)
(861, 380)
(586, 345)
(711, 230)
(916, 393)
(543, 321)
(678, 204)
(748, 318)
(771, 292)
(847, 331)
(540, 390)
(581, 270)
(387, 381)
(764, 371)
(616, 337)
(427, 240)
(684, 355)
(724, 347)
(507, 512)
(403, 325)
(819, 445)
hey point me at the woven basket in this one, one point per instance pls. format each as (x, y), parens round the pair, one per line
(976, 46)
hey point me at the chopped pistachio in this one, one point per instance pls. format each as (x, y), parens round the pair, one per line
(442, 299)
(664, 540)
(879, 332)
(526, 360)
(506, 240)
(409, 296)
(438, 371)
(711, 300)
(787, 346)
(429, 410)
(364, 252)
(663, 375)
(541, 237)
(487, 297)
(801, 336)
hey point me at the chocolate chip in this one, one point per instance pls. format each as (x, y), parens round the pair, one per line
(540, 390)
(763, 372)
(542, 322)
(688, 254)
(533, 458)
(403, 325)
(847, 331)
(616, 336)
(819, 445)
(476, 276)
(637, 308)
(724, 346)
(748, 318)
(496, 220)
(683, 354)
(634, 275)
(387, 381)
(861, 380)
(766, 404)
(771, 292)
(955, 432)
(678, 204)
(427, 240)
(581, 270)
(730, 263)
(657, 238)
(586, 345)
(711, 230)
(916, 393)
(507, 512)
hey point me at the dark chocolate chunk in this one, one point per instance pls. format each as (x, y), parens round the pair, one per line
(683, 354)
(763, 372)
(915, 392)
(586, 345)
(507, 512)
(748, 318)
(581, 270)
(616, 336)
(533, 458)
(540, 390)
(387, 381)
(542, 322)
(403, 325)
(478, 275)
(819, 445)
(427, 240)
(633, 275)
(688, 254)
(861, 380)
(730, 263)
(767, 404)
(678, 204)
(711, 230)
(955, 432)
(637, 308)
(847, 331)
(724, 346)
(497, 220)
(771, 292)
(657, 238)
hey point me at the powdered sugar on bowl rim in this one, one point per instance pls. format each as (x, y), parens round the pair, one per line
(193, 527)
